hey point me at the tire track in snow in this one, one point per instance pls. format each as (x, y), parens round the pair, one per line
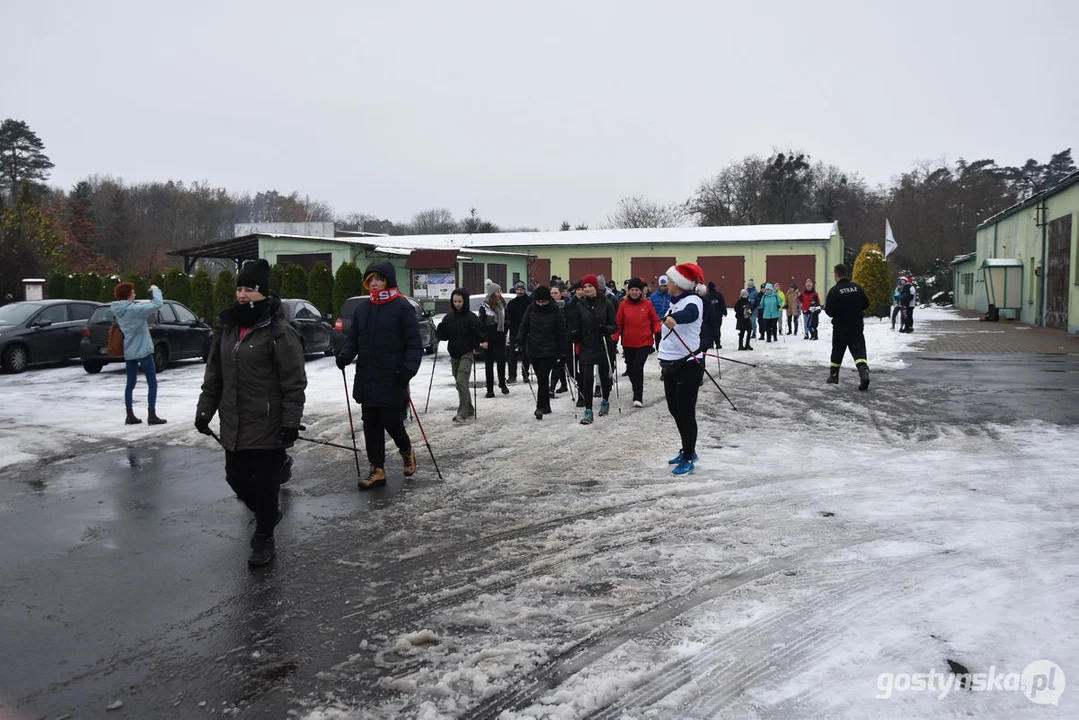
(590, 649)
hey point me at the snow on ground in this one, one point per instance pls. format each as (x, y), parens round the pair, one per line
(830, 544)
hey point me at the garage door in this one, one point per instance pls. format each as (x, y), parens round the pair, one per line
(648, 268)
(783, 269)
(539, 271)
(579, 267)
(727, 272)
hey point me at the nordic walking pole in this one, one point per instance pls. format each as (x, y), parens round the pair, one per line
(475, 402)
(425, 442)
(431, 384)
(351, 425)
(693, 355)
(723, 357)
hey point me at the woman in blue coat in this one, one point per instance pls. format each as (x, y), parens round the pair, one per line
(771, 305)
(132, 318)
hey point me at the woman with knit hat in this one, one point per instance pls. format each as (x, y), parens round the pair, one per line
(384, 338)
(680, 358)
(591, 322)
(495, 324)
(638, 324)
(542, 337)
(255, 381)
(463, 332)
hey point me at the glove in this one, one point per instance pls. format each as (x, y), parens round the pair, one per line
(202, 424)
(289, 435)
(342, 362)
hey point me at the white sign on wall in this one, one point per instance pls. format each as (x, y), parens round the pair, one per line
(433, 286)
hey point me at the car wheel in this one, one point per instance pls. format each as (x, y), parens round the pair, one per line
(93, 367)
(161, 357)
(16, 358)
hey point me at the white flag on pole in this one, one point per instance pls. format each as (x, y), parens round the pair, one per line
(889, 240)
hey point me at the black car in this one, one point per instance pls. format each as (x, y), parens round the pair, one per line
(40, 331)
(176, 332)
(315, 331)
(428, 336)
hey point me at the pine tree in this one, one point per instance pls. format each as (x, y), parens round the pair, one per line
(224, 292)
(348, 283)
(872, 274)
(320, 288)
(202, 294)
(277, 278)
(22, 156)
(141, 289)
(73, 286)
(108, 289)
(57, 286)
(177, 286)
(295, 282)
(91, 287)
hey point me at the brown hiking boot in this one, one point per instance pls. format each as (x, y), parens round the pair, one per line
(131, 419)
(375, 478)
(408, 462)
(153, 419)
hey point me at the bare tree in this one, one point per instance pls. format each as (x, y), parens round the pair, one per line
(638, 212)
(733, 197)
(437, 221)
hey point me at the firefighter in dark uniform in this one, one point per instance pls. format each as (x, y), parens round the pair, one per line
(846, 305)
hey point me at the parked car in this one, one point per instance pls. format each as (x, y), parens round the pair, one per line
(40, 331)
(315, 331)
(176, 332)
(428, 335)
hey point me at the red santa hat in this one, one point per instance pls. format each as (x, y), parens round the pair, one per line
(688, 277)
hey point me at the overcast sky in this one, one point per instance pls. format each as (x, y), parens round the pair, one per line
(532, 112)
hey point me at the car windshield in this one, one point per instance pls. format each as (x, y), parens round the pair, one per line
(16, 313)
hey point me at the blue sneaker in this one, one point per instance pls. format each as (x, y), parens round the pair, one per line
(684, 468)
(604, 408)
(680, 458)
(587, 419)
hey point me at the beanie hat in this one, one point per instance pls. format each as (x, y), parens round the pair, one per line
(255, 275)
(750, 283)
(490, 286)
(541, 293)
(662, 279)
(688, 277)
(590, 280)
(636, 283)
(602, 281)
(711, 286)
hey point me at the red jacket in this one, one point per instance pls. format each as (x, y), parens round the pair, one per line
(637, 323)
(808, 298)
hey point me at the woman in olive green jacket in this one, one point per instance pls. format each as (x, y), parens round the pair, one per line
(255, 381)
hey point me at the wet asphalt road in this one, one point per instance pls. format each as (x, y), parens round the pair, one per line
(124, 576)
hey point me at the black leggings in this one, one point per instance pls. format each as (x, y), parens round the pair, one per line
(255, 475)
(377, 421)
(495, 355)
(681, 385)
(543, 369)
(635, 358)
(588, 379)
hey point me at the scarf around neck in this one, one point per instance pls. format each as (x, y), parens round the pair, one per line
(384, 296)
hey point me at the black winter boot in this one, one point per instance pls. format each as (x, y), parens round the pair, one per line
(863, 374)
(153, 419)
(131, 419)
(262, 550)
(833, 376)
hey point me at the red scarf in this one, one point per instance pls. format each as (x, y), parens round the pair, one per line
(384, 296)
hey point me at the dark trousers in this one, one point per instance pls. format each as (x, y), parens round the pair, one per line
(743, 338)
(377, 421)
(254, 475)
(148, 368)
(895, 312)
(681, 385)
(588, 379)
(543, 369)
(512, 356)
(843, 340)
(635, 358)
(910, 319)
(495, 354)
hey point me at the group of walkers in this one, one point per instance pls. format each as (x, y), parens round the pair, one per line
(565, 338)
(904, 300)
(758, 312)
